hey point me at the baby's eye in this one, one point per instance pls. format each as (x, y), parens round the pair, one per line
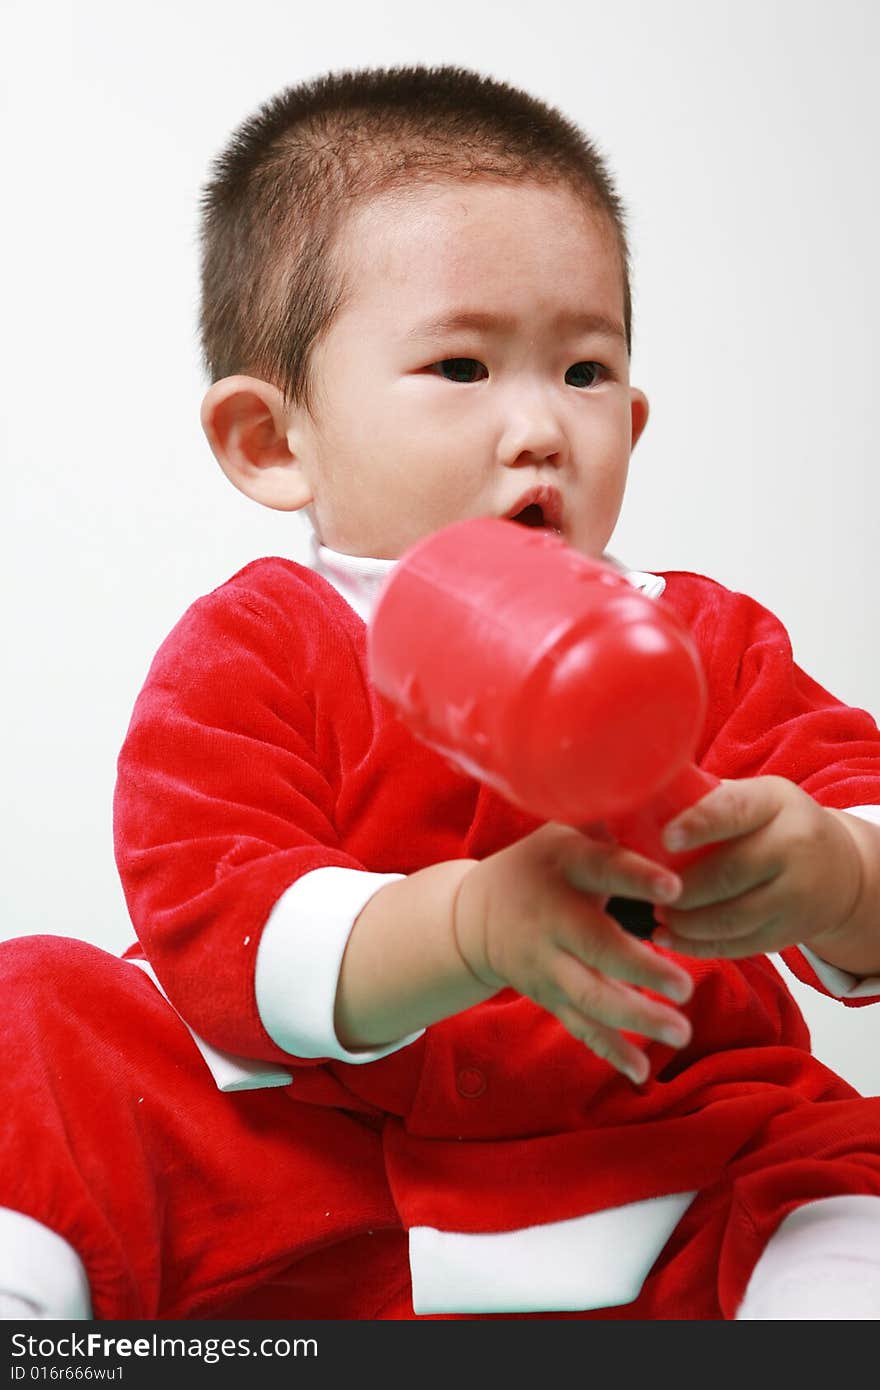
(458, 369)
(583, 374)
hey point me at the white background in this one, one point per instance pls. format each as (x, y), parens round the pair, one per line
(743, 136)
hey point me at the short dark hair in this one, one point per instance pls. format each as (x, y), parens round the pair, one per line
(278, 194)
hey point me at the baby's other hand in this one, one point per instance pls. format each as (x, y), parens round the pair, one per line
(531, 917)
(785, 870)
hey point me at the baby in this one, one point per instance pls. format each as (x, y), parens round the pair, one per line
(382, 1052)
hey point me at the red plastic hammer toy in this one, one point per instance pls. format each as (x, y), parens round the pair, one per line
(547, 675)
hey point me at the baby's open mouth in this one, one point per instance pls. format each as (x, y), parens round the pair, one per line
(540, 508)
(535, 516)
(532, 515)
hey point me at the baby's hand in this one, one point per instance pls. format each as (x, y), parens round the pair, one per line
(530, 917)
(786, 871)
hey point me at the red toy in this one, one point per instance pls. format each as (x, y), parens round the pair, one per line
(547, 675)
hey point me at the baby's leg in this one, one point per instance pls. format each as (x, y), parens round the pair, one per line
(803, 1238)
(156, 1195)
(41, 1276)
(822, 1263)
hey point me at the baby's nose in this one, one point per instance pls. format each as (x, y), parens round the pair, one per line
(532, 434)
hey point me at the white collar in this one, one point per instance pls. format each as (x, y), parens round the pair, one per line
(358, 578)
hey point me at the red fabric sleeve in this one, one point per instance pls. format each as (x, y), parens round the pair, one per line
(221, 802)
(767, 717)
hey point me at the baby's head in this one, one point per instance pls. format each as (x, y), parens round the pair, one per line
(416, 309)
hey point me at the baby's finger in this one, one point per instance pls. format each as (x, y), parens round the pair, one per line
(600, 944)
(758, 911)
(730, 872)
(730, 810)
(612, 1047)
(597, 998)
(722, 948)
(614, 871)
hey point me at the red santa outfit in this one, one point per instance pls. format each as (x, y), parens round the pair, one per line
(490, 1164)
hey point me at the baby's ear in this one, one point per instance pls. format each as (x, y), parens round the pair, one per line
(245, 423)
(639, 411)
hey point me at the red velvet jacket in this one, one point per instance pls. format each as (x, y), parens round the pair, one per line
(257, 751)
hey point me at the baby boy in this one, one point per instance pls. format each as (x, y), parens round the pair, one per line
(381, 1051)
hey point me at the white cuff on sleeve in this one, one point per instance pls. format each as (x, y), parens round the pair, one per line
(871, 813)
(300, 956)
(838, 982)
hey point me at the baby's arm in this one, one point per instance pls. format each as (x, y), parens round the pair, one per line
(786, 871)
(529, 917)
(789, 870)
(225, 811)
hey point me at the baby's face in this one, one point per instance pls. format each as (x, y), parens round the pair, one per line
(479, 366)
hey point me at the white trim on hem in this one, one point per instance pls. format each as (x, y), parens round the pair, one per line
(229, 1072)
(596, 1261)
